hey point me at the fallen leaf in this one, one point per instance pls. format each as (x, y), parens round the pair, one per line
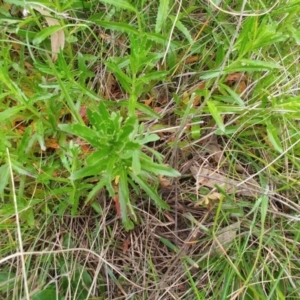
(52, 143)
(241, 86)
(28, 65)
(225, 236)
(58, 37)
(215, 151)
(108, 86)
(148, 102)
(126, 245)
(238, 80)
(217, 154)
(209, 200)
(105, 37)
(193, 59)
(197, 101)
(86, 148)
(164, 182)
(83, 114)
(210, 178)
(235, 77)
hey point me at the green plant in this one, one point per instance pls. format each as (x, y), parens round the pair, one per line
(118, 160)
(135, 73)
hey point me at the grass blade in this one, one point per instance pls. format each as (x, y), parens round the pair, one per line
(216, 115)
(273, 137)
(118, 26)
(120, 4)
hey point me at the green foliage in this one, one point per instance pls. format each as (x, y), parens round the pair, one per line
(139, 64)
(48, 293)
(168, 64)
(118, 159)
(162, 14)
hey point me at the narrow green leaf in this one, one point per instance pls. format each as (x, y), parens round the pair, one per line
(93, 193)
(228, 130)
(25, 144)
(150, 191)
(251, 64)
(264, 207)
(195, 131)
(153, 76)
(82, 131)
(13, 111)
(40, 134)
(127, 130)
(16, 2)
(136, 165)
(233, 94)
(255, 206)
(163, 40)
(99, 156)
(19, 168)
(273, 136)
(124, 201)
(148, 138)
(121, 76)
(169, 244)
(158, 156)
(147, 111)
(4, 177)
(183, 29)
(103, 112)
(84, 71)
(244, 42)
(120, 4)
(176, 250)
(241, 65)
(123, 196)
(211, 74)
(129, 147)
(74, 200)
(158, 169)
(9, 20)
(118, 26)
(295, 34)
(97, 207)
(45, 33)
(96, 119)
(28, 216)
(290, 104)
(88, 171)
(216, 115)
(162, 14)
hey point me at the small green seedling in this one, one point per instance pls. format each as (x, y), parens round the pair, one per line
(118, 160)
